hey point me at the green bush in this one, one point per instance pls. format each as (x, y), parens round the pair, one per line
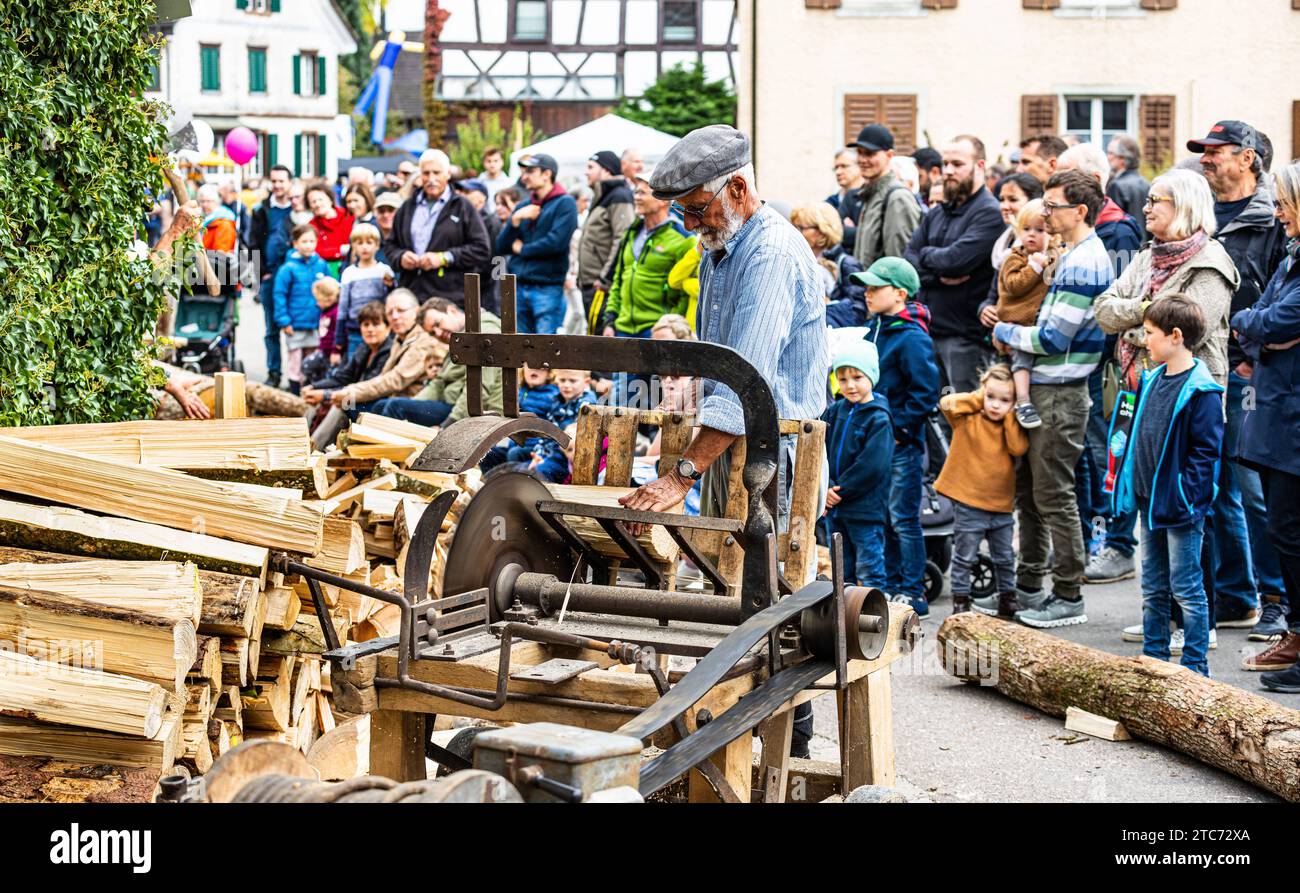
(77, 150)
(680, 101)
(484, 129)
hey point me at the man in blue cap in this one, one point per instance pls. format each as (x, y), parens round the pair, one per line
(536, 240)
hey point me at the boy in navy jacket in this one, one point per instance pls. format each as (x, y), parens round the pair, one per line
(860, 447)
(539, 396)
(1170, 465)
(909, 382)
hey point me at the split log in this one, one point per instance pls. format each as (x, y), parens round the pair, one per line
(343, 548)
(656, 540)
(1237, 731)
(219, 737)
(234, 662)
(70, 631)
(26, 737)
(230, 402)
(230, 707)
(157, 495)
(163, 588)
(282, 608)
(195, 749)
(199, 705)
(77, 533)
(305, 637)
(341, 501)
(262, 400)
(268, 706)
(230, 605)
(72, 696)
(344, 752)
(207, 664)
(396, 429)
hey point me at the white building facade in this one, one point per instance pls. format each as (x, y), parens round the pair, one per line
(270, 66)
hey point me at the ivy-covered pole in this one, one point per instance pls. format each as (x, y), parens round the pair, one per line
(80, 161)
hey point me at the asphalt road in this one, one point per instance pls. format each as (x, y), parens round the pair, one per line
(963, 743)
(956, 742)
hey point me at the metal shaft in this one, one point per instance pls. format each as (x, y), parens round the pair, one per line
(548, 593)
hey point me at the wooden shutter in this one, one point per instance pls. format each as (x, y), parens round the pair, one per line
(241, 4)
(1159, 4)
(320, 155)
(821, 4)
(1156, 130)
(1039, 113)
(1042, 4)
(897, 111)
(275, 5)
(272, 152)
(939, 4)
(297, 154)
(297, 75)
(320, 75)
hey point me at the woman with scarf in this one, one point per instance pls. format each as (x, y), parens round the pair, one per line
(219, 230)
(333, 226)
(1182, 258)
(821, 228)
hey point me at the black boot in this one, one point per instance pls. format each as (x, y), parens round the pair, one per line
(295, 388)
(960, 604)
(1285, 681)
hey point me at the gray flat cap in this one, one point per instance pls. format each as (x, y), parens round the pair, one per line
(700, 156)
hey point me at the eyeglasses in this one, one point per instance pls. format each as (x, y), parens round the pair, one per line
(698, 213)
(1049, 207)
(1153, 200)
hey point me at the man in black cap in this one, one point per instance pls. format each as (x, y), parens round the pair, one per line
(1233, 163)
(890, 212)
(537, 242)
(611, 213)
(929, 169)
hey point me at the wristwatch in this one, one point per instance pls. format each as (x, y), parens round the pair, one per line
(686, 468)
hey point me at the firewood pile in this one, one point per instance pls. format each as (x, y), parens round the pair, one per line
(141, 626)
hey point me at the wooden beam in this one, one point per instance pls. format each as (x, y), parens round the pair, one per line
(78, 533)
(158, 496)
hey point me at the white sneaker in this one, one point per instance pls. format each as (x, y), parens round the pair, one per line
(1176, 640)
(1133, 633)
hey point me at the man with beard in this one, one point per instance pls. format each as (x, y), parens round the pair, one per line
(929, 169)
(952, 251)
(761, 295)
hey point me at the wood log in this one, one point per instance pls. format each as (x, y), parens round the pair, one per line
(207, 663)
(219, 737)
(656, 540)
(27, 737)
(344, 752)
(230, 401)
(66, 630)
(156, 495)
(70, 531)
(1237, 731)
(230, 605)
(263, 400)
(72, 696)
(311, 481)
(230, 706)
(163, 588)
(200, 704)
(267, 706)
(282, 608)
(361, 433)
(343, 548)
(397, 429)
(195, 749)
(234, 662)
(341, 501)
(305, 637)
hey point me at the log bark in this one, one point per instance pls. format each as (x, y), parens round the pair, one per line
(165, 588)
(1245, 734)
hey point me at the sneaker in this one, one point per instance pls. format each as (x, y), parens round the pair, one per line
(1109, 566)
(1286, 681)
(1006, 604)
(1027, 416)
(1272, 620)
(1133, 633)
(1234, 617)
(1281, 655)
(916, 602)
(1177, 640)
(1055, 611)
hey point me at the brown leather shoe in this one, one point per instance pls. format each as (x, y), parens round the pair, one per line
(1281, 655)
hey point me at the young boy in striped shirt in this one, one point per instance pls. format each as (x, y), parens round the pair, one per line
(1067, 345)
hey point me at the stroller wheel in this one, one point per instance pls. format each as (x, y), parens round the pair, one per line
(982, 581)
(934, 581)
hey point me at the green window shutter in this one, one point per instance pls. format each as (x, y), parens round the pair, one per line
(297, 75)
(210, 67)
(256, 71)
(272, 151)
(320, 75)
(241, 4)
(297, 154)
(320, 155)
(275, 5)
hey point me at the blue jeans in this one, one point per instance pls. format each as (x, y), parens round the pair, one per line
(409, 409)
(1171, 571)
(272, 337)
(1245, 482)
(540, 309)
(864, 549)
(904, 542)
(1234, 573)
(632, 387)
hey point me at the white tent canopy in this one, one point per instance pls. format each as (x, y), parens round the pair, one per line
(572, 148)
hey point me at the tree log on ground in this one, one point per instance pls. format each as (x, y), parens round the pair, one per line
(1245, 734)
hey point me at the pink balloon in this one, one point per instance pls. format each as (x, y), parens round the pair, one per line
(241, 145)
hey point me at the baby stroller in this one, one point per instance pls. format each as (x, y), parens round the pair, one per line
(205, 326)
(937, 524)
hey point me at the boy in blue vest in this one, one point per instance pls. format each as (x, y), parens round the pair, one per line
(1170, 465)
(860, 447)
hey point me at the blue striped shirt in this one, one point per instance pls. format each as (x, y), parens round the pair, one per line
(762, 296)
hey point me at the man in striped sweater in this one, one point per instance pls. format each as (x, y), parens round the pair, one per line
(1068, 345)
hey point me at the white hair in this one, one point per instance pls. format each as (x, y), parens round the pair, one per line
(746, 173)
(1287, 184)
(1193, 203)
(906, 170)
(436, 155)
(209, 190)
(1087, 158)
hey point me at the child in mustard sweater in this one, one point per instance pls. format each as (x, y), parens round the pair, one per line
(980, 478)
(1023, 282)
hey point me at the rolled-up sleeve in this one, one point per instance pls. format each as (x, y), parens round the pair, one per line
(757, 326)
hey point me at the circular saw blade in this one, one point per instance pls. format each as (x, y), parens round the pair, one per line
(501, 526)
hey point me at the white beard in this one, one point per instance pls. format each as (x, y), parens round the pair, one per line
(717, 239)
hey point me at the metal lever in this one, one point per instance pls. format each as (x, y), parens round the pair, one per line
(532, 776)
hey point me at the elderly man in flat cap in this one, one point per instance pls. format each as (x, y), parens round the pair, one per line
(761, 295)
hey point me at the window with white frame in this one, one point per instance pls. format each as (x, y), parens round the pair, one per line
(881, 7)
(1099, 7)
(1096, 119)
